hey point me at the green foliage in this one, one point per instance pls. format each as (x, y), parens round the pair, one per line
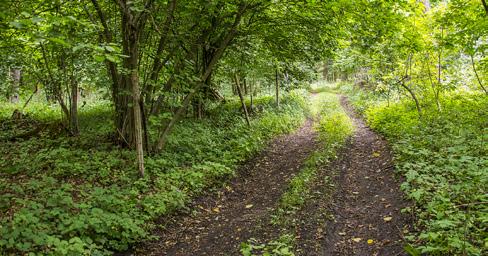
(80, 196)
(443, 157)
(283, 246)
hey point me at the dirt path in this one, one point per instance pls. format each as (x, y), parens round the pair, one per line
(366, 204)
(225, 219)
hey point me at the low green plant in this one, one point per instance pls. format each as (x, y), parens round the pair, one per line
(443, 158)
(81, 195)
(283, 246)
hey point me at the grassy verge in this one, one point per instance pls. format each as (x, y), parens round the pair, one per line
(333, 126)
(81, 196)
(444, 159)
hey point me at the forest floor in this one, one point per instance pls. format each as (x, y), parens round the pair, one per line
(360, 217)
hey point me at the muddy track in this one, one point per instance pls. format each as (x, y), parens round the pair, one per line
(365, 205)
(222, 220)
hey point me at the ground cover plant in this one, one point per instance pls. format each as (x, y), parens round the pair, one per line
(63, 195)
(443, 159)
(114, 114)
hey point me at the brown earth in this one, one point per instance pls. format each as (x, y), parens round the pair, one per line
(354, 199)
(365, 206)
(224, 219)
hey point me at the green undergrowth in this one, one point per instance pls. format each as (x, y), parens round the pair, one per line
(443, 157)
(81, 196)
(334, 127)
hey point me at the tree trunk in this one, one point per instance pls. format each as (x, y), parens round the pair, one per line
(414, 97)
(243, 103)
(131, 27)
(244, 81)
(476, 74)
(15, 74)
(73, 123)
(216, 57)
(277, 88)
(485, 5)
(251, 92)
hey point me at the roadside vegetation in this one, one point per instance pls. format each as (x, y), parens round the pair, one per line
(63, 195)
(442, 158)
(114, 114)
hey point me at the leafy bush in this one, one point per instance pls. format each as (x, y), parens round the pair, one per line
(81, 196)
(443, 157)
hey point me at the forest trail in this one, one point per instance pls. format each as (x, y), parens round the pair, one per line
(365, 205)
(363, 214)
(224, 219)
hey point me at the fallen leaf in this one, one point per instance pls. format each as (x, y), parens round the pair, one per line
(387, 218)
(376, 154)
(342, 233)
(216, 209)
(249, 206)
(370, 241)
(357, 239)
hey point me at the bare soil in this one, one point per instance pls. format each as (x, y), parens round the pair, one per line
(356, 198)
(224, 219)
(365, 206)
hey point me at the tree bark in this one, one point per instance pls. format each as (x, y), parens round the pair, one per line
(15, 75)
(73, 124)
(158, 63)
(277, 88)
(251, 92)
(216, 57)
(132, 26)
(485, 5)
(244, 81)
(243, 103)
(476, 74)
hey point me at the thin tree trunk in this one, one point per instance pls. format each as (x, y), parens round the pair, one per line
(477, 76)
(158, 63)
(243, 103)
(414, 97)
(251, 96)
(216, 57)
(244, 81)
(277, 88)
(15, 74)
(485, 5)
(73, 124)
(132, 25)
(410, 91)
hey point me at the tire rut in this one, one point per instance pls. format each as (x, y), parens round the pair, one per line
(367, 202)
(222, 220)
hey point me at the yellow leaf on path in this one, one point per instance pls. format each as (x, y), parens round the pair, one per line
(249, 206)
(376, 154)
(370, 241)
(216, 209)
(387, 218)
(357, 239)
